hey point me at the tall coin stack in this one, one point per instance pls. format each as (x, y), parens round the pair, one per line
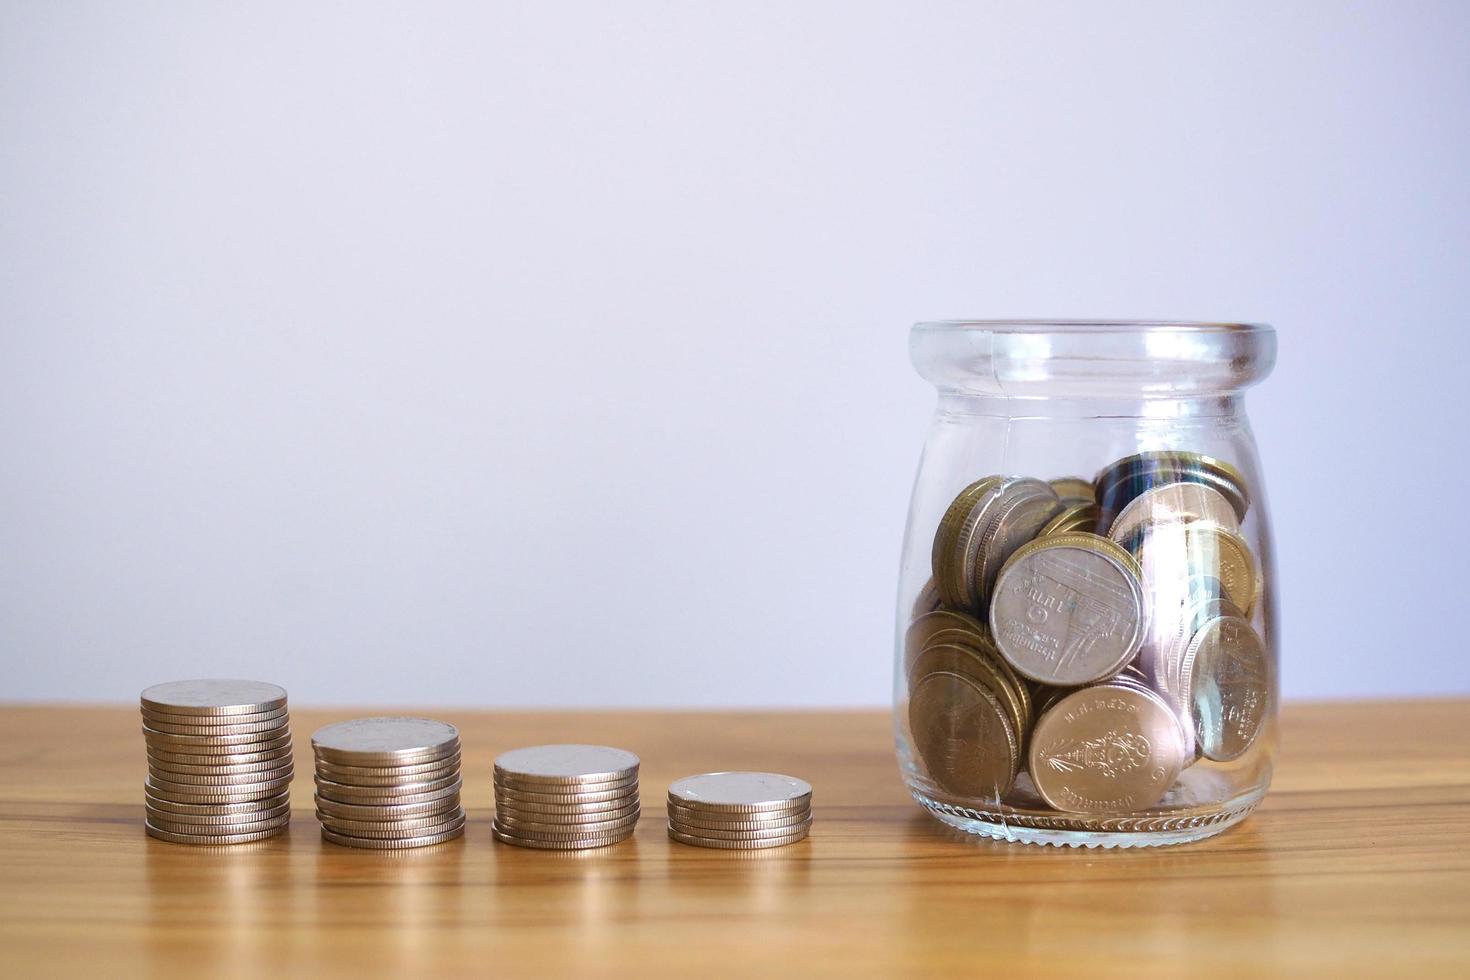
(1095, 635)
(219, 761)
(740, 810)
(565, 797)
(388, 783)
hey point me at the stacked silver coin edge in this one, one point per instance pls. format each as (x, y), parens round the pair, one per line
(388, 783)
(566, 797)
(727, 810)
(219, 761)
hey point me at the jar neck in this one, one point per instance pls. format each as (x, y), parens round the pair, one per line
(1216, 406)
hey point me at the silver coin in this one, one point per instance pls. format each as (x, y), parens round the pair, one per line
(222, 759)
(263, 729)
(388, 741)
(735, 845)
(696, 819)
(386, 811)
(720, 833)
(559, 845)
(183, 769)
(388, 782)
(213, 721)
(569, 817)
(346, 840)
(218, 744)
(211, 839)
(1069, 610)
(532, 828)
(541, 805)
(164, 817)
(157, 802)
(213, 697)
(455, 821)
(202, 830)
(337, 796)
(1174, 503)
(580, 791)
(213, 795)
(226, 779)
(351, 792)
(741, 792)
(588, 798)
(565, 766)
(357, 773)
(1122, 481)
(415, 826)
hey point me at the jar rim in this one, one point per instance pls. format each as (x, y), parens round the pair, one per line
(1092, 358)
(1052, 326)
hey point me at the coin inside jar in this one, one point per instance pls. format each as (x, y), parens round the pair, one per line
(1069, 609)
(1025, 508)
(958, 538)
(1226, 682)
(1181, 503)
(1122, 481)
(964, 736)
(1106, 749)
(1074, 488)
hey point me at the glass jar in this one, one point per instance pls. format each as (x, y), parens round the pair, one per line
(1086, 643)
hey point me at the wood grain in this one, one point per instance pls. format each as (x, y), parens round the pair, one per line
(1358, 862)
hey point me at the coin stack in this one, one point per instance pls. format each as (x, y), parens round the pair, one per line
(740, 810)
(1095, 635)
(219, 761)
(565, 797)
(388, 783)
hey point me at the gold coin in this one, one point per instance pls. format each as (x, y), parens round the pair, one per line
(1107, 749)
(1025, 508)
(1184, 551)
(959, 531)
(1079, 516)
(964, 736)
(923, 628)
(967, 661)
(1074, 488)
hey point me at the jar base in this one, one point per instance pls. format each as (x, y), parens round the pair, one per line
(1079, 830)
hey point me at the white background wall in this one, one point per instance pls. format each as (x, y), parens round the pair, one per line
(538, 353)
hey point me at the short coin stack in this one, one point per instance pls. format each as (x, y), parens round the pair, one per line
(388, 783)
(219, 761)
(565, 797)
(740, 810)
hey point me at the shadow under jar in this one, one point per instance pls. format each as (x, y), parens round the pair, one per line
(1086, 642)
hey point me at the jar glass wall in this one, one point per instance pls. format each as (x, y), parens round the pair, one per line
(1086, 637)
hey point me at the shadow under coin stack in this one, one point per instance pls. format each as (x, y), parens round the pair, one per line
(740, 810)
(388, 783)
(219, 761)
(565, 797)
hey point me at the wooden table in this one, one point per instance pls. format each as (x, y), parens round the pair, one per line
(1358, 862)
